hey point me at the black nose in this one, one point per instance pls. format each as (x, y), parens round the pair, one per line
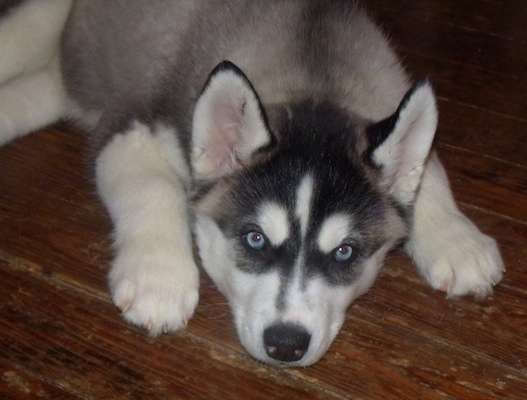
(286, 342)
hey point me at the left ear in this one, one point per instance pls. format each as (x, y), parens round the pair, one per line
(229, 124)
(400, 144)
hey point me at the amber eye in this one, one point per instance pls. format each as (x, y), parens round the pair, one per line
(344, 253)
(254, 240)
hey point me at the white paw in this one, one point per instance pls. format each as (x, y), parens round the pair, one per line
(459, 259)
(154, 288)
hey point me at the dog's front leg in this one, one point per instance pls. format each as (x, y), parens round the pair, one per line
(141, 176)
(448, 249)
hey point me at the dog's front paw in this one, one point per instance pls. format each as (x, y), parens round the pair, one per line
(458, 259)
(154, 288)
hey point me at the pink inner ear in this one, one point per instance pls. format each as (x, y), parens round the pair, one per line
(227, 125)
(223, 151)
(225, 139)
(404, 152)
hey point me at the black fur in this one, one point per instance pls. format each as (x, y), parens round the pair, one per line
(6, 6)
(316, 140)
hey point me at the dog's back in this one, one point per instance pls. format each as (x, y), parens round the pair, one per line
(289, 50)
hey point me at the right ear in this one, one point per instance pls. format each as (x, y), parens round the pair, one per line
(229, 124)
(400, 144)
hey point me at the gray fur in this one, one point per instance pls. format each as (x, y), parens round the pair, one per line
(162, 52)
(308, 163)
(6, 6)
(320, 73)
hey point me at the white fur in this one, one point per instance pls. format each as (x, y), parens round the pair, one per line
(215, 251)
(31, 101)
(29, 37)
(448, 249)
(322, 319)
(253, 297)
(303, 203)
(153, 278)
(333, 231)
(142, 177)
(31, 91)
(274, 221)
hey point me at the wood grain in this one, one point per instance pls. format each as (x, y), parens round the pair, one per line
(61, 338)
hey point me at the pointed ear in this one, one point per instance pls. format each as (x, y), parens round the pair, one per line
(229, 124)
(400, 144)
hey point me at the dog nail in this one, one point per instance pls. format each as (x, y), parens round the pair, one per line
(126, 306)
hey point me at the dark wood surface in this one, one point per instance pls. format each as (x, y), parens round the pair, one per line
(61, 338)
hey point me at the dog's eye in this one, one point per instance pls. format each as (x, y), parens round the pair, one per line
(255, 240)
(345, 253)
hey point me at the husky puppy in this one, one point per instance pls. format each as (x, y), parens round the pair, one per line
(285, 135)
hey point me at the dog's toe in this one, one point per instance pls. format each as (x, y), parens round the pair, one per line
(460, 260)
(160, 298)
(158, 307)
(479, 270)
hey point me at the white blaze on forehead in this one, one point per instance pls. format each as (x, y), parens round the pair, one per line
(304, 196)
(333, 231)
(274, 221)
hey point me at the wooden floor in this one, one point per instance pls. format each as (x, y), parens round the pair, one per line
(61, 338)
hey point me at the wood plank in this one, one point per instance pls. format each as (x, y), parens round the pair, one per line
(424, 324)
(20, 383)
(487, 182)
(474, 33)
(481, 89)
(360, 342)
(60, 337)
(354, 345)
(87, 279)
(54, 218)
(77, 342)
(466, 65)
(482, 133)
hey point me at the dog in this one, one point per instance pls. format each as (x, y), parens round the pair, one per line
(283, 138)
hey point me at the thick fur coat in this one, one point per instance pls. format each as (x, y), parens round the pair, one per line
(284, 138)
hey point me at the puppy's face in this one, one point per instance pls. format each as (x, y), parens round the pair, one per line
(296, 208)
(292, 240)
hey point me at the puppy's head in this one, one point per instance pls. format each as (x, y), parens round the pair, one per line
(293, 224)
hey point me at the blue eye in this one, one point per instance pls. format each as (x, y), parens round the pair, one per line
(344, 253)
(255, 240)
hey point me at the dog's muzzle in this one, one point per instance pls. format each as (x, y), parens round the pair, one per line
(286, 342)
